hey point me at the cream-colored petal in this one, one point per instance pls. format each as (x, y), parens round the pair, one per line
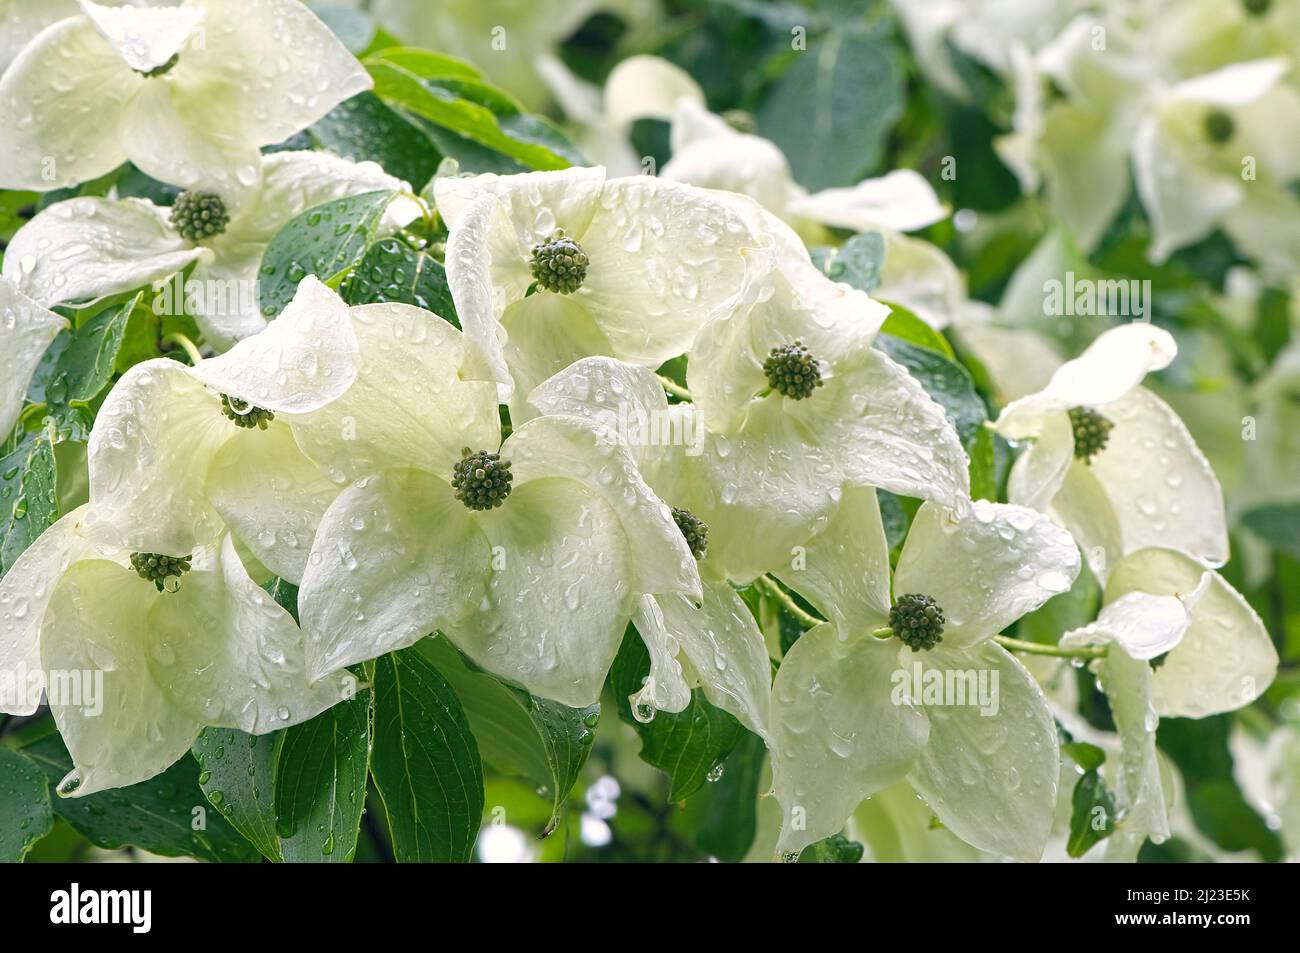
(26, 330)
(647, 87)
(900, 201)
(145, 37)
(1141, 624)
(664, 687)
(546, 333)
(1038, 473)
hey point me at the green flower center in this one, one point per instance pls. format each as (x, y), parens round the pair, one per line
(1159, 660)
(199, 215)
(157, 568)
(160, 70)
(1257, 8)
(792, 370)
(245, 415)
(695, 530)
(481, 479)
(560, 264)
(1091, 432)
(918, 620)
(1219, 126)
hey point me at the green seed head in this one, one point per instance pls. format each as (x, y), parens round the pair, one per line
(560, 264)
(1159, 660)
(1091, 432)
(1257, 8)
(481, 479)
(245, 415)
(157, 569)
(918, 620)
(695, 530)
(792, 370)
(199, 215)
(160, 70)
(1219, 126)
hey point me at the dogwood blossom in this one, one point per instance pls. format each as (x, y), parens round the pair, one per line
(1111, 460)
(187, 93)
(87, 248)
(850, 710)
(201, 645)
(179, 453)
(26, 330)
(530, 555)
(642, 263)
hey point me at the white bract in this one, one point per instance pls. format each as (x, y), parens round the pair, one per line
(135, 670)
(176, 454)
(661, 257)
(852, 713)
(26, 330)
(87, 248)
(1149, 485)
(537, 590)
(187, 93)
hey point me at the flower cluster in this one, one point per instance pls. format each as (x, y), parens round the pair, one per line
(472, 480)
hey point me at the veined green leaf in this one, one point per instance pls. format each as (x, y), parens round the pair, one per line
(25, 812)
(28, 495)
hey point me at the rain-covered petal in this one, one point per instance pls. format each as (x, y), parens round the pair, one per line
(922, 278)
(23, 19)
(271, 496)
(1161, 487)
(901, 201)
(535, 203)
(663, 257)
(226, 654)
(26, 330)
(1141, 624)
(62, 104)
(306, 357)
(1226, 658)
(844, 569)
(96, 626)
(567, 448)
(841, 730)
(396, 558)
(546, 333)
(145, 37)
(558, 598)
(726, 651)
(876, 423)
(1038, 473)
(25, 591)
(282, 67)
(991, 778)
(89, 248)
(664, 687)
(149, 453)
(985, 569)
(1139, 797)
(408, 405)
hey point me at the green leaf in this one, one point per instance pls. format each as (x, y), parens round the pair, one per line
(237, 775)
(723, 815)
(25, 812)
(686, 745)
(1092, 817)
(905, 325)
(84, 367)
(462, 105)
(944, 380)
(517, 733)
(353, 28)
(857, 262)
(832, 110)
(326, 241)
(983, 467)
(285, 595)
(394, 271)
(166, 815)
(1278, 524)
(836, 849)
(365, 128)
(426, 763)
(1087, 756)
(320, 784)
(28, 498)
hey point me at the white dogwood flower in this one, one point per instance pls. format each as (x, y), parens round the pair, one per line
(549, 267)
(178, 454)
(529, 555)
(26, 330)
(1111, 460)
(853, 712)
(1218, 151)
(180, 644)
(87, 247)
(188, 93)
